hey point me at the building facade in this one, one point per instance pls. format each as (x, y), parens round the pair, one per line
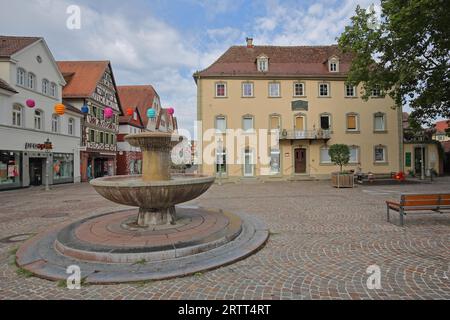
(36, 144)
(300, 97)
(138, 99)
(91, 87)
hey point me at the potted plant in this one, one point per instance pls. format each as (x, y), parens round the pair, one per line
(340, 155)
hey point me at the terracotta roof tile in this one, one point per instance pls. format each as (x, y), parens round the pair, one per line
(139, 96)
(12, 44)
(81, 77)
(5, 86)
(442, 125)
(283, 61)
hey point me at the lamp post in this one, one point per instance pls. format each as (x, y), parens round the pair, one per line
(220, 158)
(48, 147)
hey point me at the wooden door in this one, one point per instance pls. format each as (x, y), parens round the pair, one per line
(300, 160)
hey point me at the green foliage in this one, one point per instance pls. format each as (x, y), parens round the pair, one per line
(407, 56)
(339, 154)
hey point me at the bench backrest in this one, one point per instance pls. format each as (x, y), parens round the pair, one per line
(419, 200)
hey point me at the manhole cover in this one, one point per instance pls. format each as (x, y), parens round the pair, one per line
(55, 215)
(17, 238)
(72, 201)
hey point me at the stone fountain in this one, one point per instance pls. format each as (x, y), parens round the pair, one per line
(155, 192)
(158, 241)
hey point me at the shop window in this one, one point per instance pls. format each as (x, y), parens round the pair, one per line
(62, 167)
(9, 169)
(275, 161)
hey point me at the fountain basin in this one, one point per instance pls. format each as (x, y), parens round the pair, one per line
(134, 191)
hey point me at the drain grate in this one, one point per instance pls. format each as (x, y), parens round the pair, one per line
(55, 215)
(72, 201)
(17, 238)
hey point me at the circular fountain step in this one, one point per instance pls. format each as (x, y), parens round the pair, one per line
(110, 248)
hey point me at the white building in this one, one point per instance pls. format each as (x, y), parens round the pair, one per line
(29, 73)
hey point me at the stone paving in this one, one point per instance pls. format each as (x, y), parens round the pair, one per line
(322, 242)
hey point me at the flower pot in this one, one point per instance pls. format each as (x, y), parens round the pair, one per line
(342, 180)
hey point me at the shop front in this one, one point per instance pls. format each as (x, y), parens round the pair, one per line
(10, 172)
(97, 164)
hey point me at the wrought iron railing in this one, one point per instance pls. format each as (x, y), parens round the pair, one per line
(305, 134)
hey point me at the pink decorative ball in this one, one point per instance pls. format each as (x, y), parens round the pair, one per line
(30, 103)
(170, 111)
(108, 112)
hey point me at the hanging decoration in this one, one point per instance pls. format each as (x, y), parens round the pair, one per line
(151, 113)
(85, 109)
(108, 112)
(60, 109)
(130, 111)
(30, 103)
(170, 110)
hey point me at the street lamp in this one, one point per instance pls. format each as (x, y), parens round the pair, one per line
(220, 158)
(48, 147)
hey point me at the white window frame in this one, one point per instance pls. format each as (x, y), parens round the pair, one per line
(327, 89)
(38, 119)
(333, 62)
(45, 86)
(244, 84)
(375, 116)
(53, 90)
(71, 126)
(278, 86)
(217, 84)
(17, 115)
(375, 93)
(253, 123)
(263, 64)
(303, 89)
(356, 160)
(346, 87)
(21, 77)
(329, 120)
(322, 161)
(384, 160)
(219, 130)
(55, 123)
(31, 83)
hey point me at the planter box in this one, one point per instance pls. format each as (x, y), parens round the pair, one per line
(342, 180)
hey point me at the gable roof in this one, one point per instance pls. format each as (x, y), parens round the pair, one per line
(10, 45)
(442, 125)
(137, 97)
(81, 77)
(5, 86)
(283, 61)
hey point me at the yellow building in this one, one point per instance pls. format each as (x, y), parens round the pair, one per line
(301, 91)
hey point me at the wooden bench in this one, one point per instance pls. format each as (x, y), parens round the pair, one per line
(419, 202)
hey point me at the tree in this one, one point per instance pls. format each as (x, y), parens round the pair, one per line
(406, 54)
(339, 154)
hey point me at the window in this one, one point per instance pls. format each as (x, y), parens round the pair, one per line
(354, 154)
(53, 91)
(91, 135)
(221, 124)
(55, 123)
(350, 91)
(299, 89)
(376, 92)
(10, 169)
(17, 115)
(38, 119)
(324, 156)
(45, 86)
(333, 67)
(299, 123)
(275, 161)
(221, 89)
(221, 160)
(274, 89)
(379, 122)
(263, 64)
(380, 154)
(31, 80)
(21, 76)
(106, 138)
(101, 136)
(274, 122)
(71, 127)
(247, 123)
(324, 90)
(325, 121)
(333, 64)
(134, 115)
(247, 89)
(352, 122)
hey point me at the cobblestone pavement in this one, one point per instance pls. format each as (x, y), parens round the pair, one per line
(322, 241)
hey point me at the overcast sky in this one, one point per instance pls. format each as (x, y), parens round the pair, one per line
(163, 42)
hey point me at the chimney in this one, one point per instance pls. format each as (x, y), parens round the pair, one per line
(249, 42)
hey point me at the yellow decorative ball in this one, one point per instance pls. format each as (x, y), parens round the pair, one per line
(60, 109)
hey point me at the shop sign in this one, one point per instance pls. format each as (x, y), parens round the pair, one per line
(38, 146)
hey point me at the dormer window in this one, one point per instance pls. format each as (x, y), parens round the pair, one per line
(333, 64)
(262, 63)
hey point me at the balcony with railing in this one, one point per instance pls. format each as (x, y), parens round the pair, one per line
(305, 135)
